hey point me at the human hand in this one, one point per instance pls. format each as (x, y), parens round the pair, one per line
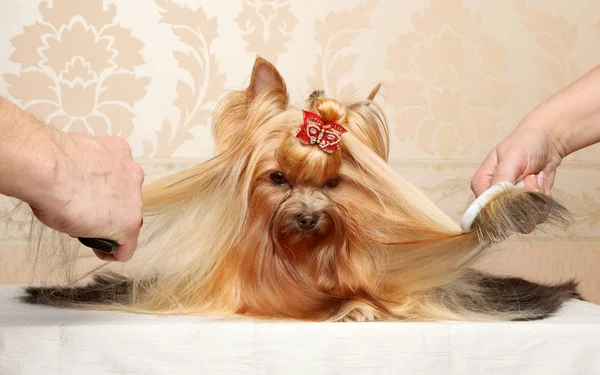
(95, 192)
(566, 122)
(530, 153)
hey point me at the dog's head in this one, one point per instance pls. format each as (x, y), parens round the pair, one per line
(301, 164)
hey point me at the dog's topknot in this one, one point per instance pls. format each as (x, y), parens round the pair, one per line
(330, 110)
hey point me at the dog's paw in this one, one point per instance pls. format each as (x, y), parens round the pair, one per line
(358, 312)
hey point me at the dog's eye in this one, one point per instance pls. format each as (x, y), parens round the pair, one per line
(278, 178)
(332, 183)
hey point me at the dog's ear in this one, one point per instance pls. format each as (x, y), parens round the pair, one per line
(231, 115)
(370, 124)
(374, 92)
(267, 80)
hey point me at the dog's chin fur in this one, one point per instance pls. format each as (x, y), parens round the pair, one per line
(224, 237)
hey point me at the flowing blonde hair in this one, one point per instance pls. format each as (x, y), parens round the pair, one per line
(212, 243)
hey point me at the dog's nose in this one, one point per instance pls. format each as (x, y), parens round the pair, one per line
(308, 221)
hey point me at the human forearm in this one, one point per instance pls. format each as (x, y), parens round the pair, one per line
(28, 156)
(572, 115)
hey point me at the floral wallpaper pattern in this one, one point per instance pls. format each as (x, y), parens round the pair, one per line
(77, 68)
(267, 26)
(446, 85)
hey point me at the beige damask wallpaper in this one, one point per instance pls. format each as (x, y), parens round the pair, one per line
(457, 76)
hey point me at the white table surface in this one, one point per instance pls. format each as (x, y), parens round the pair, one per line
(43, 340)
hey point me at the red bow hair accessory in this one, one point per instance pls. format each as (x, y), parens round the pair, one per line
(314, 131)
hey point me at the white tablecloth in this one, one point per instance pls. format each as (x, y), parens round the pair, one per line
(42, 340)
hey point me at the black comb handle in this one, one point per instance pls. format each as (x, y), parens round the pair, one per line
(105, 246)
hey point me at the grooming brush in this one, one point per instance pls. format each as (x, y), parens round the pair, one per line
(105, 246)
(484, 199)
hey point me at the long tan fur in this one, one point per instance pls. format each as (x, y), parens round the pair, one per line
(222, 238)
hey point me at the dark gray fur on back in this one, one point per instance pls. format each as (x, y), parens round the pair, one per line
(510, 298)
(104, 289)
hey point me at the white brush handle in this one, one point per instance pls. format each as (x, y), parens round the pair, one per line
(475, 208)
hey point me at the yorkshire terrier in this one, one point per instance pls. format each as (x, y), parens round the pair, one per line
(299, 216)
